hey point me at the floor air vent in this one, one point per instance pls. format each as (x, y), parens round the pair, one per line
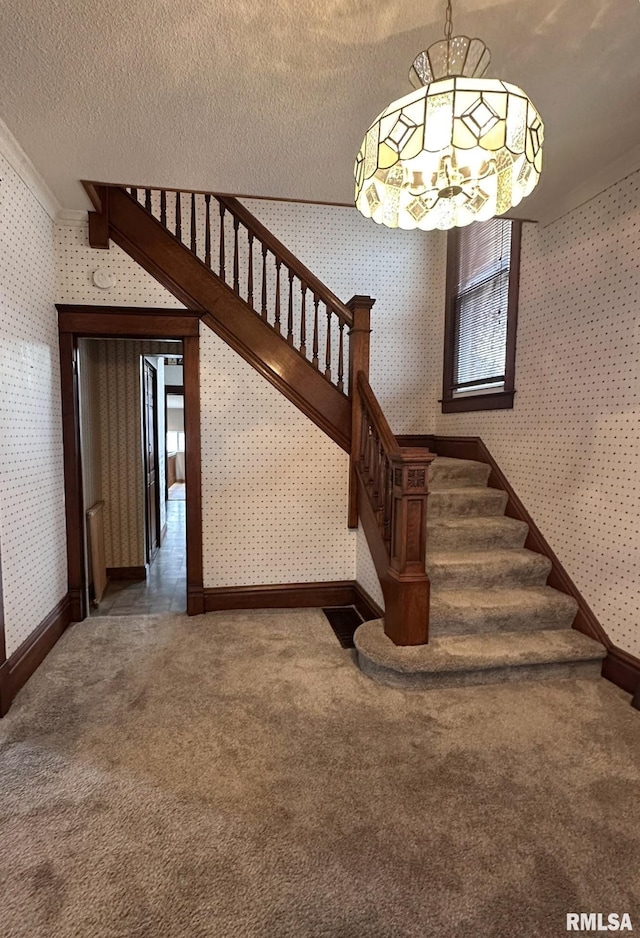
(344, 620)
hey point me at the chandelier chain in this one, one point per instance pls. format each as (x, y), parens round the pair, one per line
(448, 23)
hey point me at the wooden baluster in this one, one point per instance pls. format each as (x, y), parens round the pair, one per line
(341, 358)
(303, 320)
(327, 370)
(375, 475)
(316, 301)
(388, 502)
(370, 461)
(290, 315)
(178, 217)
(236, 262)
(147, 200)
(276, 324)
(223, 275)
(250, 272)
(163, 208)
(207, 231)
(194, 242)
(134, 193)
(263, 309)
(381, 488)
(363, 435)
(367, 452)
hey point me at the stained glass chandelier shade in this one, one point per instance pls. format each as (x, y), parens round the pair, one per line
(460, 148)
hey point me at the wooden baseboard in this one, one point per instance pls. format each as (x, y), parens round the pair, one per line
(366, 606)
(127, 573)
(279, 596)
(5, 691)
(623, 669)
(195, 600)
(19, 667)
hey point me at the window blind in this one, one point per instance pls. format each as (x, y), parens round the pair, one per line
(481, 301)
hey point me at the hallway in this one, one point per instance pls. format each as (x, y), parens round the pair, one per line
(165, 590)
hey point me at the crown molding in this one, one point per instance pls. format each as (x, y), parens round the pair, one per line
(72, 218)
(595, 185)
(20, 162)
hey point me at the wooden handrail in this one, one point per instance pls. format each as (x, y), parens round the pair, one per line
(239, 250)
(285, 256)
(393, 485)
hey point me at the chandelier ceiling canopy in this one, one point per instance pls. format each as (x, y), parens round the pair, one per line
(460, 148)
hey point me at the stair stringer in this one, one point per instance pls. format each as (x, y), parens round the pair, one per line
(173, 265)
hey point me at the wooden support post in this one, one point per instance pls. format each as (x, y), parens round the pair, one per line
(99, 220)
(407, 596)
(359, 340)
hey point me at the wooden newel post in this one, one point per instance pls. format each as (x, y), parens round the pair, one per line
(407, 602)
(359, 336)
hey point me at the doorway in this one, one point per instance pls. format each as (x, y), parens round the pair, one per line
(154, 564)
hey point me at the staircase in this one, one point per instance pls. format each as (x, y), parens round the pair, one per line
(492, 616)
(465, 602)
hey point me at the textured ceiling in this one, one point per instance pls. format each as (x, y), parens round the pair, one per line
(272, 99)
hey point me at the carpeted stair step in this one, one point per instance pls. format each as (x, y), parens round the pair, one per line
(461, 660)
(446, 473)
(461, 612)
(456, 533)
(469, 502)
(458, 569)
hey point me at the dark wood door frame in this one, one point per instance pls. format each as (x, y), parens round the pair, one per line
(152, 510)
(110, 322)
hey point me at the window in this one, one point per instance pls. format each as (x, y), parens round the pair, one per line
(175, 441)
(483, 262)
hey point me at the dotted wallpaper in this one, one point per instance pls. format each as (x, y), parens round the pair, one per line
(76, 261)
(352, 255)
(32, 519)
(571, 445)
(405, 273)
(274, 486)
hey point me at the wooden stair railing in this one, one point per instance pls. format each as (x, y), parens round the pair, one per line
(393, 485)
(218, 259)
(215, 256)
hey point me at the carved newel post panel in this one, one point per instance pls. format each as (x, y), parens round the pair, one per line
(407, 606)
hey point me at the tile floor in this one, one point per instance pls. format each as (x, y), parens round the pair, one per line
(165, 589)
(177, 491)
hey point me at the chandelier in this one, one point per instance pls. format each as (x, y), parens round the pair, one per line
(460, 148)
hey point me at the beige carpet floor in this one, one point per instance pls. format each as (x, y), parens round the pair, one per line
(235, 775)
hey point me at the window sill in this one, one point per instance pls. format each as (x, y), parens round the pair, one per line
(502, 400)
